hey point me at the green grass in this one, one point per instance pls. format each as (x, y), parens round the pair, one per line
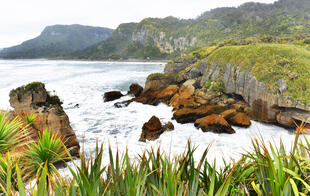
(269, 63)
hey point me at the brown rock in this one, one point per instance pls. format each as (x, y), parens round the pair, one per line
(166, 94)
(112, 95)
(149, 97)
(186, 115)
(135, 89)
(185, 96)
(228, 113)
(214, 123)
(50, 114)
(151, 130)
(169, 126)
(240, 119)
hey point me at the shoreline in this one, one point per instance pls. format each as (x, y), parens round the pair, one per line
(92, 60)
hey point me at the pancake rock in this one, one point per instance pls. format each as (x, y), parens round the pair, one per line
(34, 99)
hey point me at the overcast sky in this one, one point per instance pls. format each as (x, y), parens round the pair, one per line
(25, 19)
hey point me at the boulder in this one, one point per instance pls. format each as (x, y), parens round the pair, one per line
(34, 99)
(112, 95)
(236, 118)
(135, 89)
(239, 119)
(151, 130)
(214, 123)
(187, 115)
(168, 127)
(185, 96)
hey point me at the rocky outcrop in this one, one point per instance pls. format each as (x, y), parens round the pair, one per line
(34, 99)
(135, 89)
(152, 129)
(112, 95)
(185, 96)
(264, 105)
(188, 115)
(214, 123)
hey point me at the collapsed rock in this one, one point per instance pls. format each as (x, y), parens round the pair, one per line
(112, 95)
(214, 123)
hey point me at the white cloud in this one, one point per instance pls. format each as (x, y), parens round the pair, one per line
(21, 20)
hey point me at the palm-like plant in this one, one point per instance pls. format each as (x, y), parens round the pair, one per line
(11, 133)
(29, 119)
(48, 150)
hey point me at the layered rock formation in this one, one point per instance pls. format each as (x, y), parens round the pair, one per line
(283, 101)
(34, 99)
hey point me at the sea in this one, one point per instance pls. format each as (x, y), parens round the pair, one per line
(81, 86)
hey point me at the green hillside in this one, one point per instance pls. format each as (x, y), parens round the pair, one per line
(58, 41)
(169, 37)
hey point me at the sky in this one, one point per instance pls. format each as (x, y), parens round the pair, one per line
(21, 20)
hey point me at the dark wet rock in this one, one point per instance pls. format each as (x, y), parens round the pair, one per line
(135, 89)
(112, 95)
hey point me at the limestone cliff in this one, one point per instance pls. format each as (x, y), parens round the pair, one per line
(272, 78)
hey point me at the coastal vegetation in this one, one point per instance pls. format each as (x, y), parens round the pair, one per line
(268, 62)
(266, 169)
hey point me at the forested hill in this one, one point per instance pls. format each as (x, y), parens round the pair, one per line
(58, 41)
(155, 38)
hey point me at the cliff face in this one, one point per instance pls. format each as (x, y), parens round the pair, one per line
(276, 91)
(163, 36)
(170, 37)
(34, 99)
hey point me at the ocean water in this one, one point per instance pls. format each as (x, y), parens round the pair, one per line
(84, 83)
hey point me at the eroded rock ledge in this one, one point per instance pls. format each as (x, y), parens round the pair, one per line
(34, 99)
(221, 86)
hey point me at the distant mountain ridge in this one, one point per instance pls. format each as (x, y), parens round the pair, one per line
(162, 38)
(58, 41)
(169, 37)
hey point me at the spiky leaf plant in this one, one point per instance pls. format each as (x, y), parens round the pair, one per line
(48, 150)
(30, 118)
(12, 134)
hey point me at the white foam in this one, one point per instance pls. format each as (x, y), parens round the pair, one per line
(84, 83)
